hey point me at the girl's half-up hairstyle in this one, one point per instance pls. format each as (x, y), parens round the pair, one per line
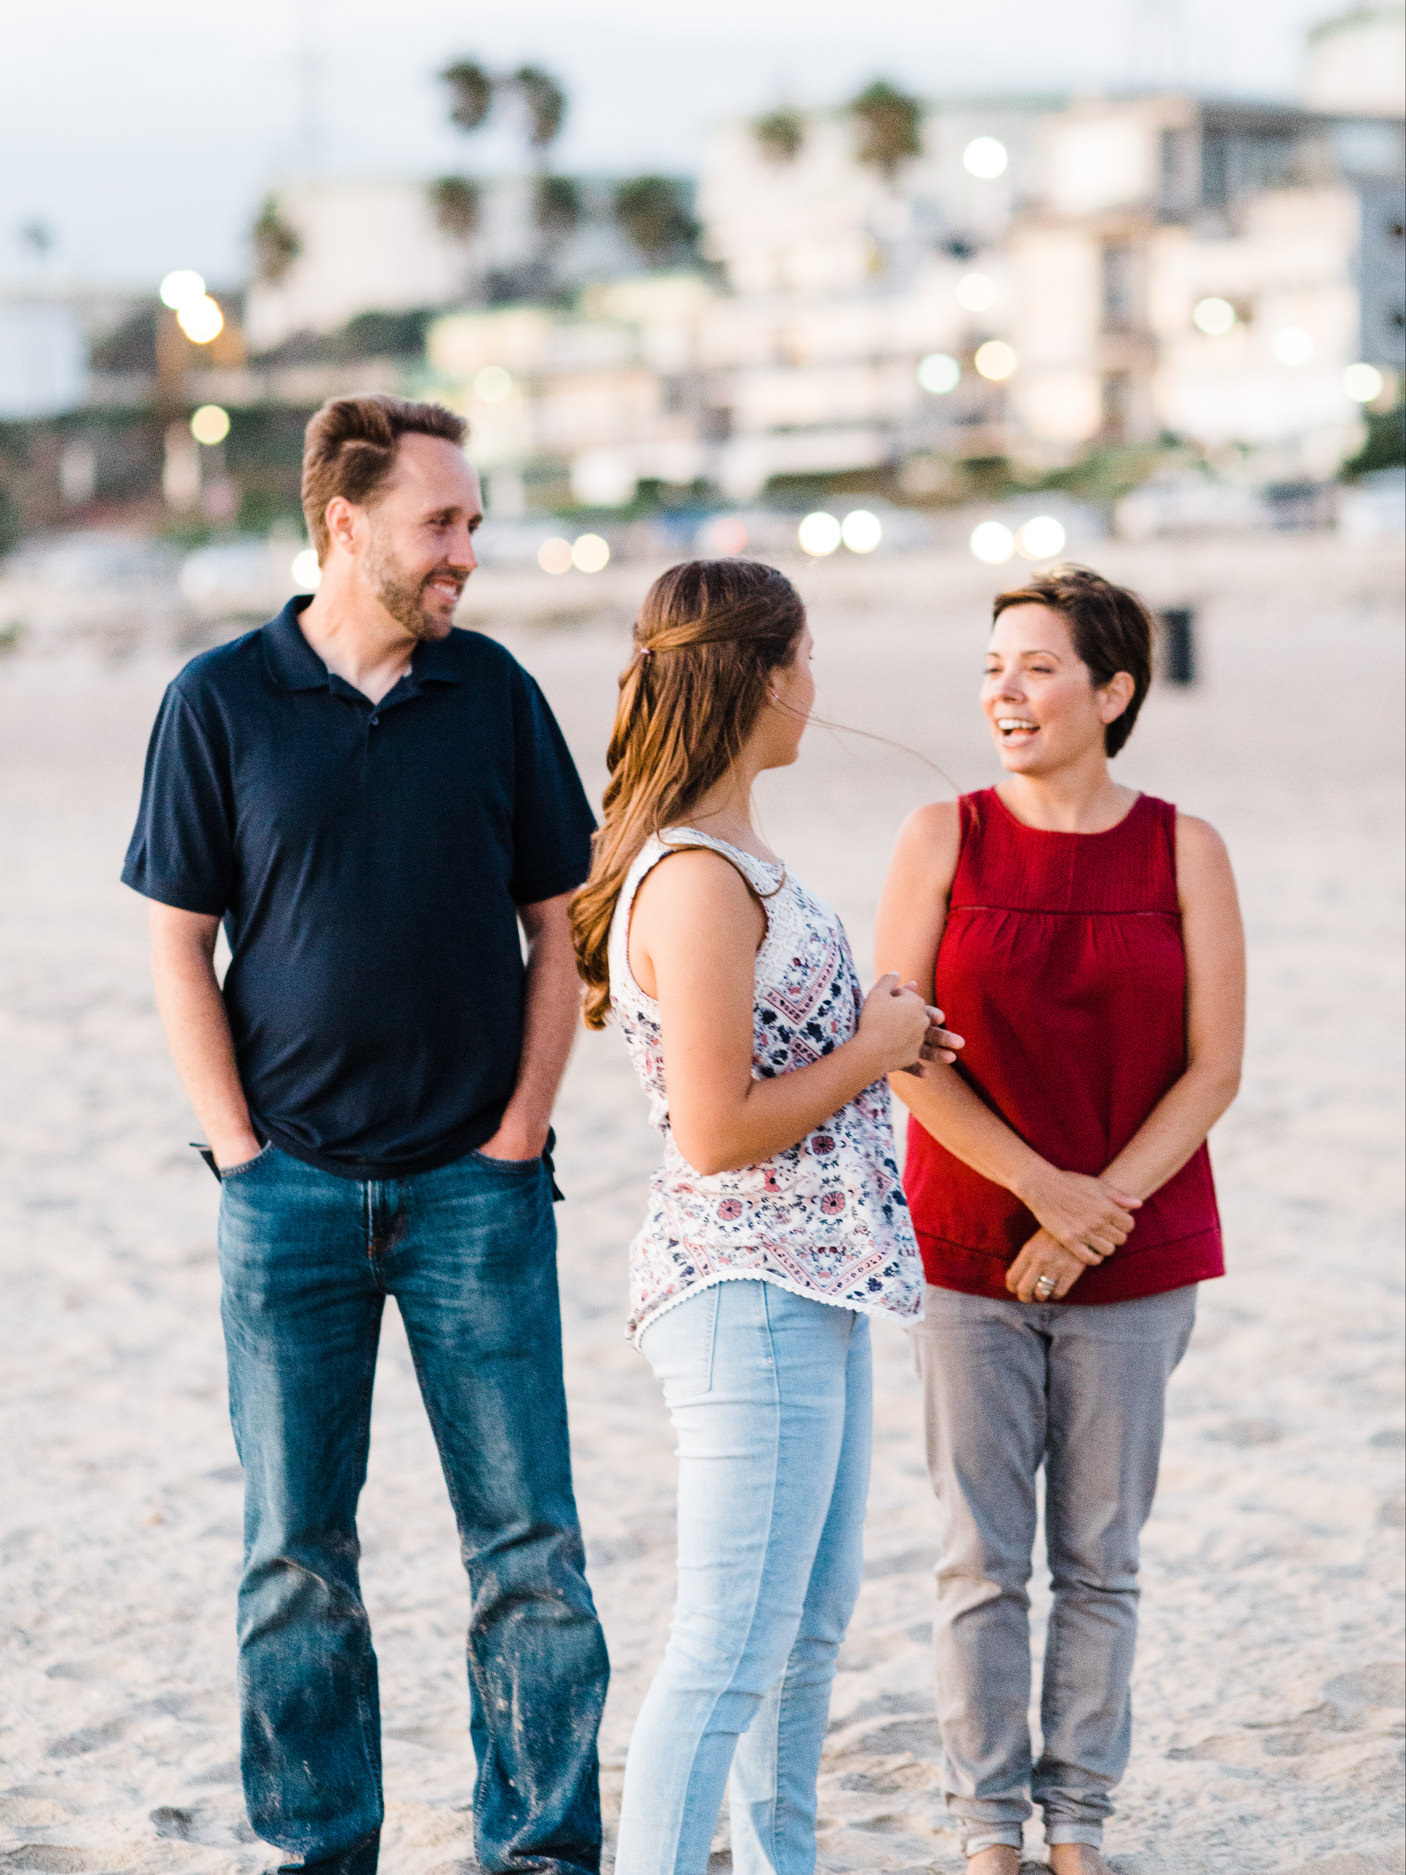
(708, 637)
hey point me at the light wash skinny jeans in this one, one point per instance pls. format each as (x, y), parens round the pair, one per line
(770, 1395)
(1010, 1386)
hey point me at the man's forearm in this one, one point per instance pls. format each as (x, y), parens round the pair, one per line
(551, 1010)
(193, 1015)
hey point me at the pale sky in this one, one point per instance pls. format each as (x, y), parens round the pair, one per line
(145, 133)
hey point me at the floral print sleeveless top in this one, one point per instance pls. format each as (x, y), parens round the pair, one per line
(827, 1218)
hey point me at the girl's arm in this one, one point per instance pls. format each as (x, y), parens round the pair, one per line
(1090, 1216)
(694, 933)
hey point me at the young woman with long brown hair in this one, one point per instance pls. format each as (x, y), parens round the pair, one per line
(776, 1223)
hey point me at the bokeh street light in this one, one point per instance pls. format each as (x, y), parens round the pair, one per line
(992, 542)
(305, 570)
(209, 424)
(995, 360)
(1363, 383)
(1292, 346)
(1041, 538)
(201, 320)
(590, 553)
(181, 288)
(554, 555)
(985, 157)
(939, 373)
(492, 384)
(819, 534)
(976, 291)
(1213, 316)
(862, 531)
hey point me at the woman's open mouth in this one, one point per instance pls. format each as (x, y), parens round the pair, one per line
(1016, 729)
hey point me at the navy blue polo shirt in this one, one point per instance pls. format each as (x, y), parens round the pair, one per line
(368, 861)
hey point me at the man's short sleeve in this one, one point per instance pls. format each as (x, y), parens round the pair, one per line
(552, 821)
(182, 850)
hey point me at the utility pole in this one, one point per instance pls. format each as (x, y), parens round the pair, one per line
(309, 75)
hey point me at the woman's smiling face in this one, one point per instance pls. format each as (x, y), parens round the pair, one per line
(1039, 696)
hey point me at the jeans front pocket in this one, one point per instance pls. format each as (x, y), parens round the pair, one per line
(246, 1166)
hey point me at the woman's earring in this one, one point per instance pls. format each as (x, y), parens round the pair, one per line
(772, 697)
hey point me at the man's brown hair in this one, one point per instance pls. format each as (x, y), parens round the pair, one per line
(1111, 627)
(349, 450)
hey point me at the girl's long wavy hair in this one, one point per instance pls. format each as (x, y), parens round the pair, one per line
(708, 637)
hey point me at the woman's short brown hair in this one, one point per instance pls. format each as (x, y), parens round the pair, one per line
(349, 450)
(1111, 627)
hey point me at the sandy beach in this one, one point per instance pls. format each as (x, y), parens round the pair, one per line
(1269, 1690)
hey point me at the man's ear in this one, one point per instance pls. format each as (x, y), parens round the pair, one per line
(340, 519)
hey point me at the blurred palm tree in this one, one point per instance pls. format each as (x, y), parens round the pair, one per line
(545, 104)
(781, 134)
(652, 212)
(454, 203)
(470, 93)
(557, 206)
(275, 241)
(890, 127)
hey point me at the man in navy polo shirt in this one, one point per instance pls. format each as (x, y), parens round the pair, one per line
(380, 809)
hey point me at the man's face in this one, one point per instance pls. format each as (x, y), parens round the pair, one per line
(417, 536)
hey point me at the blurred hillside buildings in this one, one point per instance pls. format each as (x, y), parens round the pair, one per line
(1138, 269)
(1025, 282)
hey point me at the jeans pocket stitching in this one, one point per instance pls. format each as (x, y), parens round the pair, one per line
(506, 1165)
(246, 1165)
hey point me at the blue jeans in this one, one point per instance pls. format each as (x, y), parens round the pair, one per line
(1011, 1386)
(770, 1395)
(469, 1253)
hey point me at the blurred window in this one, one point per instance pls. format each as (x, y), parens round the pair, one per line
(1119, 287)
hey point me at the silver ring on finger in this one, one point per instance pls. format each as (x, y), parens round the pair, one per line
(1044, 1287)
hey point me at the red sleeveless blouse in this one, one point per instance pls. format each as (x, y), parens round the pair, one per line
(1062, 964)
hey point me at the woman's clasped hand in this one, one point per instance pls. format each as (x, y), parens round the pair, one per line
(902, 1029)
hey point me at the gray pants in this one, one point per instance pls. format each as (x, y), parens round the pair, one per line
(1010, 1386)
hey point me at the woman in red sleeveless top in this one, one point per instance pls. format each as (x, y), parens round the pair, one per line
(1085, 940)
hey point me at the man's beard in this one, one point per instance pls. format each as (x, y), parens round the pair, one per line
(403, 594)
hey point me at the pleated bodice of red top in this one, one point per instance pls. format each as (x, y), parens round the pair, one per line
(1062, 964)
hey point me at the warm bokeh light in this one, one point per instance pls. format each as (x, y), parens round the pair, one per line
(589, 552)
(730, 535)
(995, 360)
(201, 320)
(1363, 383)
(209, 424)
(492, 384)
(985, 157)
(819, 534)
(1213, 316)
(1291, 345)
(182, 288)
(976, 291)
(1041, 538)
(554, 555)
(305, 571)
(862, 531)
(939, 373)
(992, 542)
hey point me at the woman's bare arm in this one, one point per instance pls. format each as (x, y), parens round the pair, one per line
(1215, 1016)
(694, 933)
(1215, 1039)
(193, 1014)
(1091, 1216)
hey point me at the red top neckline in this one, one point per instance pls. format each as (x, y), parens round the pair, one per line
(1059, 833)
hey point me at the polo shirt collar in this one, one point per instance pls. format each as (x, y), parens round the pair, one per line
(294, 665)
